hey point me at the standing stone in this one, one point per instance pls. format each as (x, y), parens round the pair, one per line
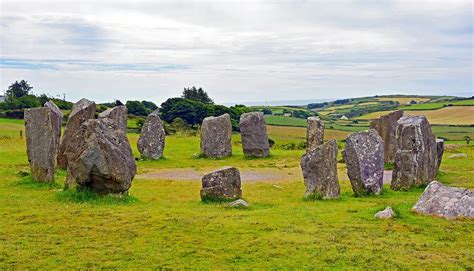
(118, 115)
(57, 120)
(445, 201)
(41, 142)
(216, 136)
(364, 156)
(102, 161)
(386, 126)
(314, 133)
(439, 151)
(416, 159)
(151, 143)
(254, 134)
(82, 111)
(320, 172)
(223, 184)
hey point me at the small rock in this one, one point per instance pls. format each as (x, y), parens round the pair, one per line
(385, 214)
(238, 203)
(457, 156)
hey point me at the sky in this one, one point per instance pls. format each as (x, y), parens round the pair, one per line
(238, 51)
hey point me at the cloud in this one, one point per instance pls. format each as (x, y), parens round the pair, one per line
(238, 51)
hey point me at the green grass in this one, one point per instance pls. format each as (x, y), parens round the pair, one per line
(163, 224)
(285, 121)
(437, 105)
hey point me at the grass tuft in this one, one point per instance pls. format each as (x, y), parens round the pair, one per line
(86, 196)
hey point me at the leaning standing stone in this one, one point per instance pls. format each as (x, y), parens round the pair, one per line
(386, 126)
(314, 133)
(151, 143)
(82, 111)
(364, 156)
(320, 172)
(216, 136)
(440, 152)
(102, 161)
(57, 120)
(223, 184)
(41, 142)
(416, 159)
(445, 201)
(254, 134)
(118, 115)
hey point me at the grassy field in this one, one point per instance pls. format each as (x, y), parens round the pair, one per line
(452, 115)
(163, 224)
(438, 105)
(404, 100)
(285, 121)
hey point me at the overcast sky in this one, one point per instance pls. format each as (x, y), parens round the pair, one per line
(238, 51)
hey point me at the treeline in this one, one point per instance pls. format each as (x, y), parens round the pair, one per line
(188, 110)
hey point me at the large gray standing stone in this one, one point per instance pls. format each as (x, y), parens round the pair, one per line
(445, 201)
(386, 126)
(103, 161)
(118, 115)
(254, 136)
(41, 142)
(320, 172)
(82, 111)
(57, 120)
(416, 158)
(314, 133)
(364, 156)
(439, 151)
(151, 143)
(216, 136)
(223, 184)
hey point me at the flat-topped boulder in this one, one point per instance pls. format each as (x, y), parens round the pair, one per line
(386, 127)
(216, 136)
(222, 184)
(314, 133)
(41, 142)
(364, 156)
(102, 161)
(118, 115)
(254, 136)
(445, 201)
(320, 172)
(416, 158)
(151, 143)
(57, 120)
(82, 111)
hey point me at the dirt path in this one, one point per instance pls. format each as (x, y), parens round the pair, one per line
(247, 175)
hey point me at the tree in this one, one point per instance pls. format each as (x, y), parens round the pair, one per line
(18, 90)
(136, 108)
(150, 106)
(267, 111)
(192, 112)
(197, 95)
(118, 103)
